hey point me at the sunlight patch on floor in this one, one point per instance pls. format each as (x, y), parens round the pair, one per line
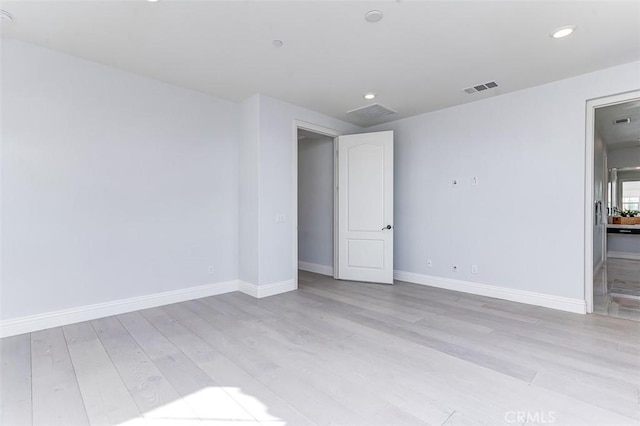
(210, 406)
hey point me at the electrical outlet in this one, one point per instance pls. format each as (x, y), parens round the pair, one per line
(454, 182)
(429, 263)
(454, 268)
(211, 269)
(280, 218)
(474, 269)
(474, 181)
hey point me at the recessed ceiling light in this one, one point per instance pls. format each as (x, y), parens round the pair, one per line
(369, 96)
(373, 16)
(5, 16)
(563, 31)
(152, 1)
(277, 43)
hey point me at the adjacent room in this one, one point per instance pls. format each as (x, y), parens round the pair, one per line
(319, 212)
(617, 209)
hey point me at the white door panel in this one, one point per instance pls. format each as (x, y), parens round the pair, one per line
(365, 207)
(365, 183)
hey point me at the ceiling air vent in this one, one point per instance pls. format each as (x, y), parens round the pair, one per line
(480, 88)
(625, 120)
(371, 113)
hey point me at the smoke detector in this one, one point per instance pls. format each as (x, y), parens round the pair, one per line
(373, 16)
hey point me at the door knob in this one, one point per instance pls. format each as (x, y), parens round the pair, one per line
(387, 227)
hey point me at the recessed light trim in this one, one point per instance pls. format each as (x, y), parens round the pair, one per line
(369, 96)
(277, 43)
(373, 16)
(563, 31)
(152, 1)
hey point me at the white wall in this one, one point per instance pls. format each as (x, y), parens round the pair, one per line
(315, 201)
(113, 185)
(524, 223)
(249, 191)
(277, 139)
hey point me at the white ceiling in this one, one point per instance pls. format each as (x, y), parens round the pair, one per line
(618, 136)
(417, 59)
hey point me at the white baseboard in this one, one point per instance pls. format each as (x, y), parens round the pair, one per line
(37, 322)
(266, 290)
(531, 298)
(623, 255)
(314, 267)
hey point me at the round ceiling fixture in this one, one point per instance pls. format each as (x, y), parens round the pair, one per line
(373, 16)
(369, 96)
(5, 16)
(563, 31)
(277, 43)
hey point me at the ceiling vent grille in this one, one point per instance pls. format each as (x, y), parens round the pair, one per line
(480, 88)
(371, 113)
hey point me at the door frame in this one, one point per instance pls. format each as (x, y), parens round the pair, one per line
(591, 107)
(332, 133)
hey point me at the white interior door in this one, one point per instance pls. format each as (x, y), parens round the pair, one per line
(365, 207)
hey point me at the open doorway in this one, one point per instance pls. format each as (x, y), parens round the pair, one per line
(316, 202)
(613, 214)
(343, 204)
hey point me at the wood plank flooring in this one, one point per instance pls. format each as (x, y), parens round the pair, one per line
(333, 352)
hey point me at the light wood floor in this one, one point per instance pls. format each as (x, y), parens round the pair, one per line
(330, 353)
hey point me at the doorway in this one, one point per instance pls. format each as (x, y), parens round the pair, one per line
(343, 204)
(316, 202)
(612, 255)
